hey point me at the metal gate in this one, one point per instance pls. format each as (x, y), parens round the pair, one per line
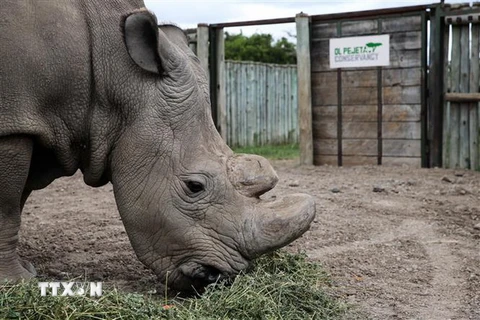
(373, 115)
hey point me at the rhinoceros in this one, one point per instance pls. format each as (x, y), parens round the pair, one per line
(98, 86)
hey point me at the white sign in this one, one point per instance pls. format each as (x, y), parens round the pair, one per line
(366, 51)
(70, 288)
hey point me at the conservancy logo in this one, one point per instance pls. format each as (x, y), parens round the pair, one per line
(366, 52)
(359, 51)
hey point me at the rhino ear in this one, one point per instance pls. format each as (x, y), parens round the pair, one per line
(141, 40)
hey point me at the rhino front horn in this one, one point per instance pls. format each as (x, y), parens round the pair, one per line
(251, 175)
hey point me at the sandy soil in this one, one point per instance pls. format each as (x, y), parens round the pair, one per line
(400, 243)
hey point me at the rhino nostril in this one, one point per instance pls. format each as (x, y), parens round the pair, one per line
(204, 274)
(213, 275)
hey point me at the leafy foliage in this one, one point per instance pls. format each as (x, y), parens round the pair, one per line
(259, 47)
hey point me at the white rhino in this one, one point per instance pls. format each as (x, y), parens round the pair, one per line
(97, 86)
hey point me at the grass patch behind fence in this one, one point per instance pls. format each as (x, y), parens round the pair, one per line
(279, 286)
(274, 152)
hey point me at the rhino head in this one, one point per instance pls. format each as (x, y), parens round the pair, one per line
(190, 206)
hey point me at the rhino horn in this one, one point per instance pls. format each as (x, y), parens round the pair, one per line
(251, 175)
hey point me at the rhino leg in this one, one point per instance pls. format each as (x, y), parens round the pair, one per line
(15, 156)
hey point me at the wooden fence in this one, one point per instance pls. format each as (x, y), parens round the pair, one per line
(415, 111)
(461, 85)
(369, 115)
(261, 103)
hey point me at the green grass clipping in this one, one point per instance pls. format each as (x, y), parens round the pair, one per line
(279, 285)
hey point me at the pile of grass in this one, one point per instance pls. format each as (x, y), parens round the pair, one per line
(277, 152)
(279, 286)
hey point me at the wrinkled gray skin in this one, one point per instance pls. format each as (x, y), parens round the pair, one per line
(94, 85)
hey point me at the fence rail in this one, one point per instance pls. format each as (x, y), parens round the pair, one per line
(261, 103)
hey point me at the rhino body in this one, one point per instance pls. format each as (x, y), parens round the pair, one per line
(97, 86)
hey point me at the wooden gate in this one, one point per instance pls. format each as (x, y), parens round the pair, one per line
(461, 84)
(370, 115)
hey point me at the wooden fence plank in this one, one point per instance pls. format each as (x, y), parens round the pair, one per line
(321, 160)
(325, 146)
(350, 130)
(367, 130)
(389, 25)
(401, 148)
(454, 143)
(367, 78)
(359, 160)
(368, 95)
(359, 27)
(464, 160)
(401, 24)
(402, 77)
(474, 107)
(360, 147)
(402, 95)
(401, 130)
(322, 31)
(365, 113)
(405, 41)
(401, 112)
(446, 132)
(414, 162)
(359, 130)
(325, 129)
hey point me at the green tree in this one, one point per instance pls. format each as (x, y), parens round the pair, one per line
(259, 47)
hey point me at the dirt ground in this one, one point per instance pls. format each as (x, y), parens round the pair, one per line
(400, 243)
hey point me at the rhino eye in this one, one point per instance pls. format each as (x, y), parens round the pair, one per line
(195, 186)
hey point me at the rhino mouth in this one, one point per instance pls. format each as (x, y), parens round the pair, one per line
(205, 274)
(195, 277)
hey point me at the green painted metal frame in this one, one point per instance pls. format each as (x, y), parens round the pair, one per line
(212, 60)
(379, 105)
(425, 150)
(339, 107)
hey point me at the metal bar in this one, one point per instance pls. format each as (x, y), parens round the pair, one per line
(379, 106)
(425, 153)
(339, 107)
(371, 13)
(379, 116)
(335, 16)
(462, 97)
(213, 72)
(253, 22)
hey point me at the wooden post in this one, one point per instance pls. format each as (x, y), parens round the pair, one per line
(304, 89)
(202, 45)
(436, 86)
(221, 82)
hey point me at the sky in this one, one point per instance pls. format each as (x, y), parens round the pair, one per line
(187, 14)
